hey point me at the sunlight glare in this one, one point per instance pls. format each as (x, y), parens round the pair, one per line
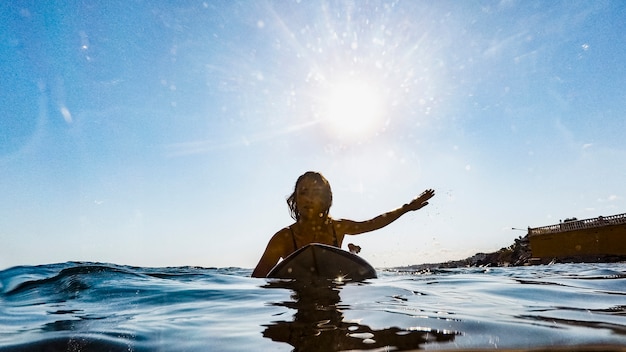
(354, 109)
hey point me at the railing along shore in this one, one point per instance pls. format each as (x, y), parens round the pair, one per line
(600, 221)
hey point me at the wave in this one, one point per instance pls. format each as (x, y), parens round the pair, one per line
(69, 283)
(84, 306)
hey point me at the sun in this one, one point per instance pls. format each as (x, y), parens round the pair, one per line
(354, 108)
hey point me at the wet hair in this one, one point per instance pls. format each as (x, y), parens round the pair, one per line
(316, 176)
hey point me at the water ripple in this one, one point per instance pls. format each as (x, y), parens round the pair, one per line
(95, 306)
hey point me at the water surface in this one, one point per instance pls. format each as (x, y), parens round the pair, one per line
(93, 306)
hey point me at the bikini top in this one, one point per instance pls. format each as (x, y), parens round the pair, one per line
(295, 245)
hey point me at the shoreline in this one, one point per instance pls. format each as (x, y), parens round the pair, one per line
(517, 254)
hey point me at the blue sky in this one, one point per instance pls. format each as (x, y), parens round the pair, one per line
(170, 133)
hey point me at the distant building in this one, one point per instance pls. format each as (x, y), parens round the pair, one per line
(603, 236)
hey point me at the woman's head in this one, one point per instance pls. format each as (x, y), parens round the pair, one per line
(312, 196)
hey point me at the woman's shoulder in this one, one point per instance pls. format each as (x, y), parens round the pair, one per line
(344, 226)
(283, 234)
(338, 223)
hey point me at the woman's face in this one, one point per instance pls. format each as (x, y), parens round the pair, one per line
(312, 198)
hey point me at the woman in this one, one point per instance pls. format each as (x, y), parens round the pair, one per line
(309, 205)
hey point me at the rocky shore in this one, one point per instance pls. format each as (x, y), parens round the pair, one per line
(517, 254)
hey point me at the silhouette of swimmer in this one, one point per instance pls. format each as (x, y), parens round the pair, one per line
(318, 324)
(309, 205)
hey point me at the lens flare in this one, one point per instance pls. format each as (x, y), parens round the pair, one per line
(354, 108)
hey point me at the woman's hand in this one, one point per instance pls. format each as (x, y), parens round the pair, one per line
(420, 201)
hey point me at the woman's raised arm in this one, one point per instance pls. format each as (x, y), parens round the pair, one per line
(350, 227)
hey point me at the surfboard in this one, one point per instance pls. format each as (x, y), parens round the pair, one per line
(321, 261)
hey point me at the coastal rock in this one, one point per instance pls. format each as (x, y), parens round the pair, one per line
(517, 254)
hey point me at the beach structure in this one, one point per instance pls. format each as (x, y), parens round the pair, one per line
(580, 240)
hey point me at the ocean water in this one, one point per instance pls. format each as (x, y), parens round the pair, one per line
(105, 307)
